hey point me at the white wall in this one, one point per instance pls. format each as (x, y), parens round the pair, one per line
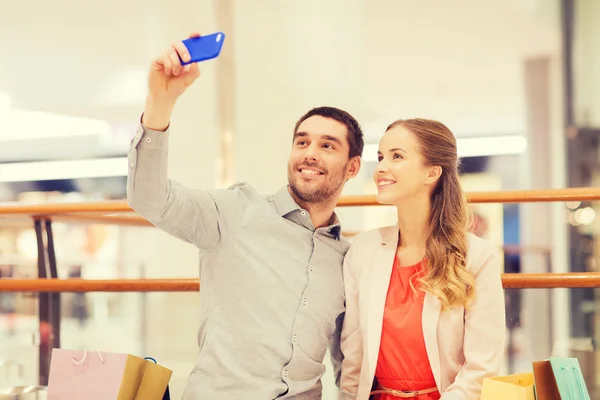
(459, 62)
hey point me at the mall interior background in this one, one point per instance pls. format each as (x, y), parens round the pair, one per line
(516, 80)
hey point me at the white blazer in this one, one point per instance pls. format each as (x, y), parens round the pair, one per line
(463, 345)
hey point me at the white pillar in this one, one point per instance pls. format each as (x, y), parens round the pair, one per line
(292, 56)
(536, 218)
(545, 313)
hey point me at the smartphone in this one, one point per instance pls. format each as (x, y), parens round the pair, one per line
(204, 47)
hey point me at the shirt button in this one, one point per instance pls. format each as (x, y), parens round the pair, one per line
(131, 165)
(148, 140)
(285, 373)
(303, 213)
(311, 267)
(294, 338)
(304, 301)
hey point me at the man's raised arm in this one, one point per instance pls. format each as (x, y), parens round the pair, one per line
(190, 215)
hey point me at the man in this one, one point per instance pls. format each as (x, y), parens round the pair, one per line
(272, 297)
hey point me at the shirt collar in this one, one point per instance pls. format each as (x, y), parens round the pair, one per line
(285, 204)
(335, 227)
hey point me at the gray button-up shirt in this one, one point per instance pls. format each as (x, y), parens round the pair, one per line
(272, 293)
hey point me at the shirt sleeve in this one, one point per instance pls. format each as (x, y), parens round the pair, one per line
(199, 217)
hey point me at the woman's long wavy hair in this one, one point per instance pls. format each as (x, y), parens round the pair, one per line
(446, 249)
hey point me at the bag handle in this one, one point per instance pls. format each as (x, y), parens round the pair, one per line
(85, 356)
(562, 367)
(579, 381)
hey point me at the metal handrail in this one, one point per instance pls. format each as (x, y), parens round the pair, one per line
(509, 281)
(505, 196)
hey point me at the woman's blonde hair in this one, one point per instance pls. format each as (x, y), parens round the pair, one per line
(446, 249)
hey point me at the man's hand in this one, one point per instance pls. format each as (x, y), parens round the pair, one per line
(167, 80)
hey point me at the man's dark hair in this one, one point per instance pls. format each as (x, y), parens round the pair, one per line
(355, 134)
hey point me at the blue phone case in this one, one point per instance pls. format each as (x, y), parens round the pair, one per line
(204, 47)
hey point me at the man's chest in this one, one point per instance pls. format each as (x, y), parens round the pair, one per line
(280, 264)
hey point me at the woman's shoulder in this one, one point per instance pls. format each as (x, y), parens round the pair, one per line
(480, 252)
(373, 237)
(364, 244)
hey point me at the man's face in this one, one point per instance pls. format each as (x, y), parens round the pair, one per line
(319, 162)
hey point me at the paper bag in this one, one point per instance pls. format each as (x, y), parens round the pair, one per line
(545, 384)
(513, 387)
(76, 375)
(156, 378)
(569, 379)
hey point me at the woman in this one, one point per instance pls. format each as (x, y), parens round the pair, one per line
(425, 312)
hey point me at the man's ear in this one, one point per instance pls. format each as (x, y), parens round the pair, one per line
(433, 174)
(353, 167)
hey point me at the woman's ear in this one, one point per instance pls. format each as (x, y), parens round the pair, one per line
(433, 174)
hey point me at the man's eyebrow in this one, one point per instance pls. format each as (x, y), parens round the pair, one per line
(325, 137)
(332, 138)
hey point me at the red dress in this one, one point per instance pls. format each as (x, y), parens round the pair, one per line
(403, 362)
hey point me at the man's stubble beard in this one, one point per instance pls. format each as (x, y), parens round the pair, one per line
(322, 194)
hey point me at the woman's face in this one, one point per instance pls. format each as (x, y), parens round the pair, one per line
(401, 172)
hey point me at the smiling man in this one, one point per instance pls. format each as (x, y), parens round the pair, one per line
(272, 297)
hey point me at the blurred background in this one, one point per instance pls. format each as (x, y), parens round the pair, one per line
(517, 81)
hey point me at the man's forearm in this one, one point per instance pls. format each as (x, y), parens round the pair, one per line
(157, 116)
(147, 178)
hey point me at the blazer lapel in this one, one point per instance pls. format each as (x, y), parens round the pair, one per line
(383, 263)
(431, 315)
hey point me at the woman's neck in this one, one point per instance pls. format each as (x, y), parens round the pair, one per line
(413, 222)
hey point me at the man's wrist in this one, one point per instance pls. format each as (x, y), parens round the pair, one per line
(157, 115)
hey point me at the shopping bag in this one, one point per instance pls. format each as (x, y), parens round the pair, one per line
(513, 387)
(76, 375)
(569, 378)
(545, 384)
(155, 380)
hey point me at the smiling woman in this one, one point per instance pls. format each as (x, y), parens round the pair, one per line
(425, 272)
(421, 155)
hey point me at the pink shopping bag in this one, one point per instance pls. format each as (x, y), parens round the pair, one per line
(93, 375)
